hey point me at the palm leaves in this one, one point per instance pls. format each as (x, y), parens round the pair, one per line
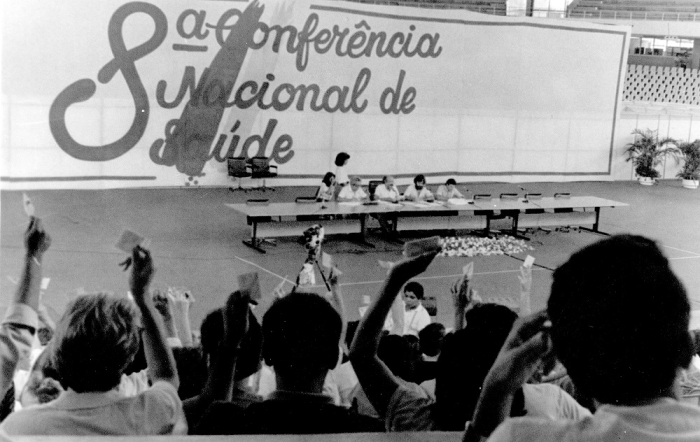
(648, 151)
(691, 160)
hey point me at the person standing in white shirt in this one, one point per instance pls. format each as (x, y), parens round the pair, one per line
(417, 191)
(448, 190)
(353, 192)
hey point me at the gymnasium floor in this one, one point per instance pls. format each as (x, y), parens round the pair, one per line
(196, 242)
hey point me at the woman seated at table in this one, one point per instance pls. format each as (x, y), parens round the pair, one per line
(353, 192)
(327, 189)
(387, 191)
(417, 191)
(448, 190)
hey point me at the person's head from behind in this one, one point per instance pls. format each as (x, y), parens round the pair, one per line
(301, 337)
(95, 340)
(328, 179)
(412, 294)
(249, 355)
(620, 321)
(450, 184)
(395, 352)
(419, 181)
(465, 359)
(43, 385)
(341, 159)
(431, 338)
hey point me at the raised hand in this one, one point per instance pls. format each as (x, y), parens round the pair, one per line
(236, 317)
(36, 240)
(411, 267)
(142, 273)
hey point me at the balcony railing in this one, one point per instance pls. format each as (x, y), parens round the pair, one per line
(636, 15)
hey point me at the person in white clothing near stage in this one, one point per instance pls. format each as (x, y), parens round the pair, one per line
(353, 192)
(448, 190)
(417, 191)
(416, 317)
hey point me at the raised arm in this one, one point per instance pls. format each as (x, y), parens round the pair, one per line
(462, 296)
(338, 303)
(20, 323)
(520, 356)
(221, 380)
(159, 357)
(376, 379)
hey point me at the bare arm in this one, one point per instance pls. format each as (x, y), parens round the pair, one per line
(338, 303)
(518, 359)
(376, 379)
(36, 242)
(159, 357)
(462, 296)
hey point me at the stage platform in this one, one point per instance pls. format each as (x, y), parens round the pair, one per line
(197, 243)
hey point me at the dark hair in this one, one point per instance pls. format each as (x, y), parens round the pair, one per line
(620, 320)
(327, 178)
(249, 354)
(191, 369)
(466, 358)
(419, 177)
(415, 288)
(301, 334)
(431, 338)
(384, 178)
(94, 342)
(341, 158)
(395, 352)
(450, 181)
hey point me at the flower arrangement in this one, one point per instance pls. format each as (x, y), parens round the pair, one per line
(479, 246)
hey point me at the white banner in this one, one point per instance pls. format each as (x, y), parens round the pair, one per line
(160, 93)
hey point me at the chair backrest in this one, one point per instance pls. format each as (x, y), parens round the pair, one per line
(373, 184)
(260, 164)
(236, 165)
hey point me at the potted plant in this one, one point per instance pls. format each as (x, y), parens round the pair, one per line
(647, 151)
(690, 171)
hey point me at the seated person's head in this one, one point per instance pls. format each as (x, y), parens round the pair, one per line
(44, 334)
(95, 340)
(43, 385)
(412, 294)
(620, 321)
(431, 338)
(191, 369)
(395, 352)
(249, 356)
(419, 181)
(341, 159)
(301, 336)
(465, 359)
(450, 184)
(388, 181)
(328, 179)
(355, 182)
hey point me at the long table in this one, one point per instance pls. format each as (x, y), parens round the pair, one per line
(290, 219)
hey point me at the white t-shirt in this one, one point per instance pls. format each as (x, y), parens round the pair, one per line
(445, 194)
(347, 193)
(324, 190)
(341, 175)
(415, 320)
(408, 411)
(411, 193)
(383, 193)
(156, 411)
(667, 420)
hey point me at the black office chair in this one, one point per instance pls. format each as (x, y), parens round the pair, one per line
(262, 169)
(238, 168)
(372, 187)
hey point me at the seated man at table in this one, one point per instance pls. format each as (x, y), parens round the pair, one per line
(353, 192)
(448, 190)
(417, 191)
(387, 191)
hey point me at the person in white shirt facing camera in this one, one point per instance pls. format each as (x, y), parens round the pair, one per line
(387, 191)
(448, 190)
(353, 192)
(417, 191)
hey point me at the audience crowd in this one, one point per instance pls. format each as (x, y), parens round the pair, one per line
(602, 362)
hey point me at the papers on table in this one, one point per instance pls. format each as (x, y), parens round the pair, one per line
(459, 201)
(350, 203)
